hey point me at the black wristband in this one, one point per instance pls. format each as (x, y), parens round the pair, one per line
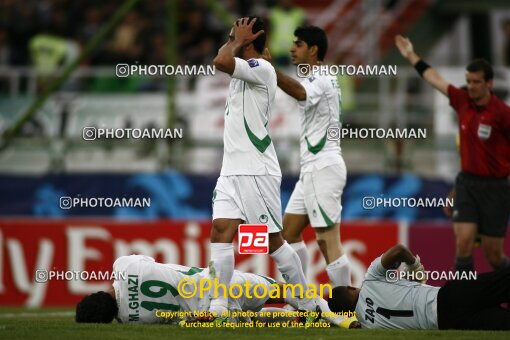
(421, 66)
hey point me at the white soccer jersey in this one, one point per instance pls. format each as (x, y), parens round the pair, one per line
(402, 304)
(152, 286)
(320, 111)
(248, 149)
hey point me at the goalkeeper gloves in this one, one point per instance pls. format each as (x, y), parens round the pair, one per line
(417, 267)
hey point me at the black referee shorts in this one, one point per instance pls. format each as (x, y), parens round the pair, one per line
(484, 201)
(475, 304)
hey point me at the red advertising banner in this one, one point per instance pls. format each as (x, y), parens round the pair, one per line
(44, 262)
(435, 243)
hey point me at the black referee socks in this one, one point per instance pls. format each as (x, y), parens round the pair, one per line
(464, 264)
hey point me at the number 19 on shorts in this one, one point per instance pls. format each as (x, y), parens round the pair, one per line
(253, 239)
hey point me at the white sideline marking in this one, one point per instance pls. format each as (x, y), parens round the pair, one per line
(36, 315)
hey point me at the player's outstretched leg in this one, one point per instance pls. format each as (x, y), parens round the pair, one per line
(293, 226)
(338, 266)
(222, 259)
(339, 271)
(290, 266)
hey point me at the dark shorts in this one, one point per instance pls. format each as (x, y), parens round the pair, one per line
(484, 201)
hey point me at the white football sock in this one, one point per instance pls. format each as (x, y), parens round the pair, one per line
(222, 258)
(302, 252)
(290, 266)
(339, 271)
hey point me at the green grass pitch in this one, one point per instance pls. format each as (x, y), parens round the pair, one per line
(18, 323)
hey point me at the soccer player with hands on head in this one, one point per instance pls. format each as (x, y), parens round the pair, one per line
(248, 189)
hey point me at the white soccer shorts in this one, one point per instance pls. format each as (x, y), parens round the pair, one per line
(253, 199)
(318, 194)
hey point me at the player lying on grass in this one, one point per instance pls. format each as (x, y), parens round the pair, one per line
(383, 302)
(148, 287)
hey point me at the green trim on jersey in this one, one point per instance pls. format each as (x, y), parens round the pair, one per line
(274, 220)
(318, 147)
(260, 144)
(329, 222)
(192, 271)
(267, 279)
(269, 211)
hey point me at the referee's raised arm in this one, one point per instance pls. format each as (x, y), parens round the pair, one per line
(428, 73)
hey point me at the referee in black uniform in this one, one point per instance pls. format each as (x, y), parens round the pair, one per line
(482, 189)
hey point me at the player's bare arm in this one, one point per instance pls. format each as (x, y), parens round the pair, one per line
(290, 86)
(241, 35)
(393, 257)
(430, 75)
(398, 254)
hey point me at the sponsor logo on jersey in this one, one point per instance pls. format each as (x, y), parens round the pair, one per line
(263, 218)
(253, 62)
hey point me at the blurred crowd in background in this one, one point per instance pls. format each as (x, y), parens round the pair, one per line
(52, 32)
(39, 37)
(34, 27)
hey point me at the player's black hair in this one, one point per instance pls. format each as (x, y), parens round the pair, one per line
(260, 42)
(342, 300)
(99, 307)
(481, 65)
(313, 36)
